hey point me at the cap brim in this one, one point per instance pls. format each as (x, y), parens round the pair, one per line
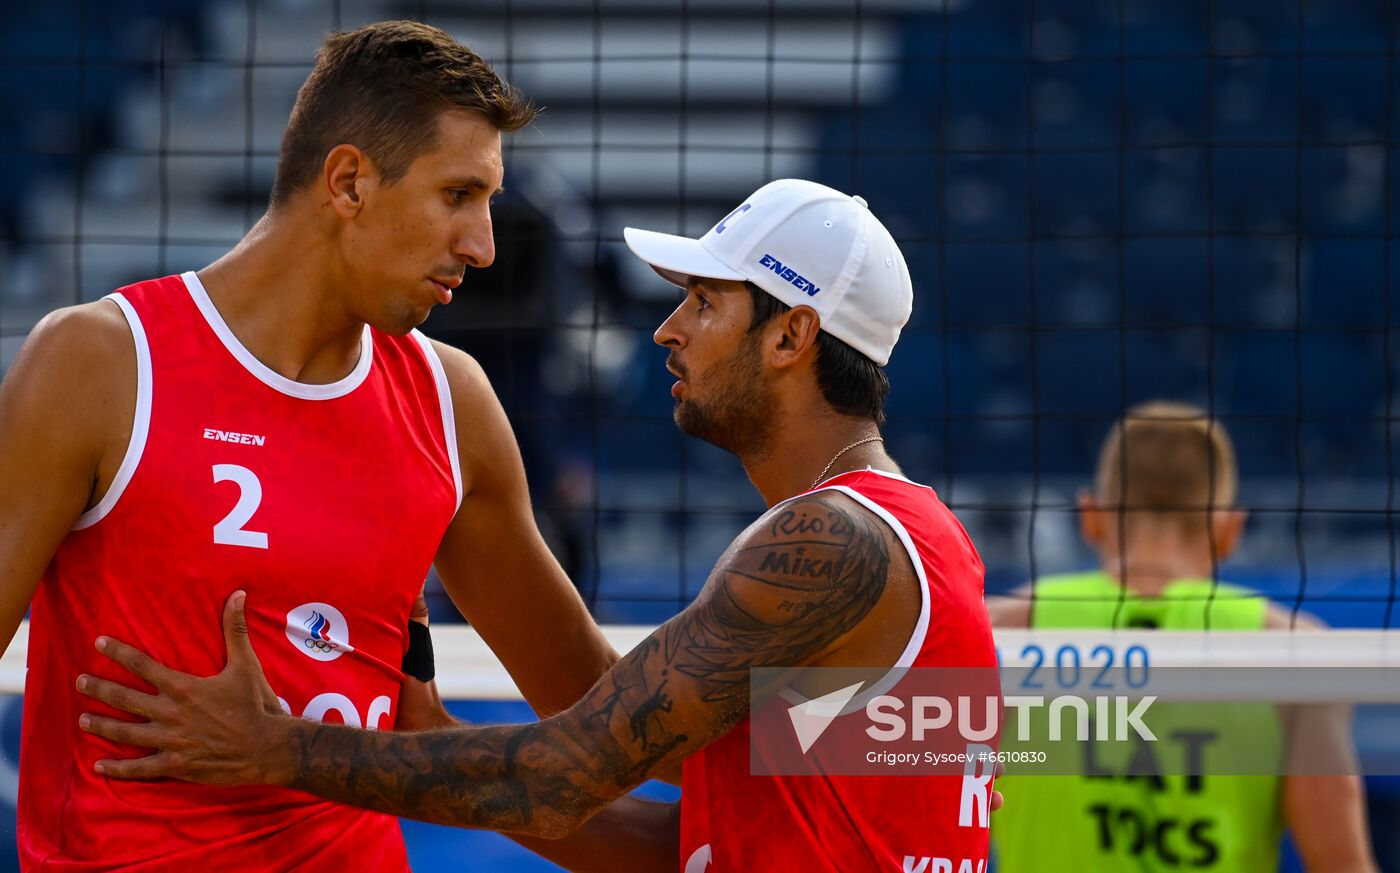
(676, 258)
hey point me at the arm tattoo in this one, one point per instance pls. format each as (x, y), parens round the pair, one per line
(789, 588)
(781, 597)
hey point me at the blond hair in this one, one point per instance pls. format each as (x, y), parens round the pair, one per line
(1168, 459)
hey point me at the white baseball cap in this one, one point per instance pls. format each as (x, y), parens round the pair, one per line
(807, 245)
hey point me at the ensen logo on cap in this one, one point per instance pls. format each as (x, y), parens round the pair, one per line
(801, 283)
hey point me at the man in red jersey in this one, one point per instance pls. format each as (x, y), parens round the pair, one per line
(794, 302)
(274, 422)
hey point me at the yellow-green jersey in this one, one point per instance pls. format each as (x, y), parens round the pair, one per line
(1144, 806)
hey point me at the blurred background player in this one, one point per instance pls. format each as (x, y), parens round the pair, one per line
(1162, 518)
(274, 422)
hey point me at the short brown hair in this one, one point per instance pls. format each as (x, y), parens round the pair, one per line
(381, 88)
(1168, 458)
(850, 383)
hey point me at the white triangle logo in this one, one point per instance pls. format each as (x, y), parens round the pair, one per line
(811, 719)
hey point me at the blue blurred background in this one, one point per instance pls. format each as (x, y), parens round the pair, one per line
(1101, 201)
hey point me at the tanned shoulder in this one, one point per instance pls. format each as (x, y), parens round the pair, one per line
(74, 382)
(486, 444)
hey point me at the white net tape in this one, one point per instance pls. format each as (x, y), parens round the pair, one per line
(1362, 665)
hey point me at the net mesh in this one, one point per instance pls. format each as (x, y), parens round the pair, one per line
(1101, 203)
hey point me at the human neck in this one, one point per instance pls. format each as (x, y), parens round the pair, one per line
(1153, 559)
(280, 291)
(804, 443)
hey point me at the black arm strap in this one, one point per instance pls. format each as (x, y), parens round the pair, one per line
(418, 660)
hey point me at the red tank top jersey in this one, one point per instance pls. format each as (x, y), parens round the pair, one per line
(326, 503)
(735, 822)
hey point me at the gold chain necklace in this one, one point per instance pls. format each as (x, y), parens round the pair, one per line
(837, 456)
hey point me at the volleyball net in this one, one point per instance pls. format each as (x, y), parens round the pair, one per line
(1100, 204)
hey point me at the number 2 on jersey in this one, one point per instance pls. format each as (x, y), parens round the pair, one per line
(230, 532)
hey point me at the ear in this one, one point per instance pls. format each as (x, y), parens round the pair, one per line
(345, 174)
(1090, 519)
(796, 335)
(1227, 528)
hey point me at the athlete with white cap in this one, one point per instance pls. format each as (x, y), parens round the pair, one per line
(793, 303)
(787, 237)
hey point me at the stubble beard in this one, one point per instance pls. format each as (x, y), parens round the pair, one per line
(402, 316)
(737, 415)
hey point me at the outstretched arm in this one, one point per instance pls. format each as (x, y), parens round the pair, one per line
(494, 563)
(631, 835)
(1324, 797)
(787, 592)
